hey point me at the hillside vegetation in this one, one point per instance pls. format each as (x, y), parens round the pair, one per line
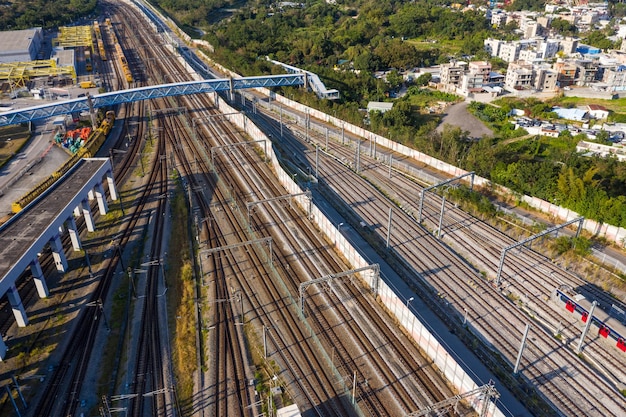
(24, 14)
(362, 48)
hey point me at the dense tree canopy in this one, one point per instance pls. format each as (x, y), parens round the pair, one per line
(532, 5)
(346, 42)
(550, 168)
(563, 27)
(25, 14)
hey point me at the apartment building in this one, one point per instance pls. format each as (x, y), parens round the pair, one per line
(586, 71)
(530, 55)
(544, 21)
(498, 18)
(548, 48)
(545, 79)
(568, 45)
(509, 52)
(492, 46)
(519, 76)
(452, 73)
(615, 78)
(566, 72)
(531, 29)
(482, 68)
(476, 76)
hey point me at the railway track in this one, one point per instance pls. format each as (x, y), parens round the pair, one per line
(374, 357)
(148, 375)
(401, 192)
(239, 193)
(67, 379)
(251, 194)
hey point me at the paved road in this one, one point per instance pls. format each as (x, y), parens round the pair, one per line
(457, 115)
(35, 162)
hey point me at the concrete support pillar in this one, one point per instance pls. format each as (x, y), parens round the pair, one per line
(87, 214)
(73, 231)
(77, 211)
(17, 306)
(102, 199)
(3, 350)
(40, 280)
(58, 254)
(111, 182)
(90, 195)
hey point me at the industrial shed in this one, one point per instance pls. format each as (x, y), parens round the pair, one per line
(578, 115)
(20, 45)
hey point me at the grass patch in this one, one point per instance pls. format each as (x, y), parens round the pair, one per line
(12, 138)
(618, 105)
(513, 297)
(265, 369)
(443, 46)
(179, 277)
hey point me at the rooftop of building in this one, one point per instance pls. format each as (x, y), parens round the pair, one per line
(594, 107)
(16, 40)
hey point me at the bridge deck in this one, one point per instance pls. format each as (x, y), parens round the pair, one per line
(20, 233)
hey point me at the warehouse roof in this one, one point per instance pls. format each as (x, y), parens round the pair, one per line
(380, 106)
(16, 40)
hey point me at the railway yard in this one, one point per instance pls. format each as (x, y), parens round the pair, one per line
(209, 242)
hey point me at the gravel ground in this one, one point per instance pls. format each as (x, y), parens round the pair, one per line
(457, 115)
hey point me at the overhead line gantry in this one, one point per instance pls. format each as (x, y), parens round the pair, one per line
(578, 220)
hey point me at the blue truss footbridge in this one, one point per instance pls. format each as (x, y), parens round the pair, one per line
(145, 93)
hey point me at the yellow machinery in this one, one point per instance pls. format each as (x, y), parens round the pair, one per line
(99, 41)
(74, 36)
(18, 73)
(120, 53)
(96, 139)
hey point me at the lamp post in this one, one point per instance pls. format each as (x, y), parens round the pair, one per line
(113, 151)
(338, 231)
(408, 312)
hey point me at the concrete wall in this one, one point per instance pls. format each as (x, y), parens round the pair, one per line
(612, 233)
(454, 372)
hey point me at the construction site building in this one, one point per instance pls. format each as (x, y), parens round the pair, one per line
(20, 45)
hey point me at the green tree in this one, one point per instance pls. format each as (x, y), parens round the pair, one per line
(563, 27)
(394, 79)
(423, 79)
(531, 5)
(570, 188)
(598, 39)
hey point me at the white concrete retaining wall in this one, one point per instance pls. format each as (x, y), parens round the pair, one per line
(427, 341)
(610, 232)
